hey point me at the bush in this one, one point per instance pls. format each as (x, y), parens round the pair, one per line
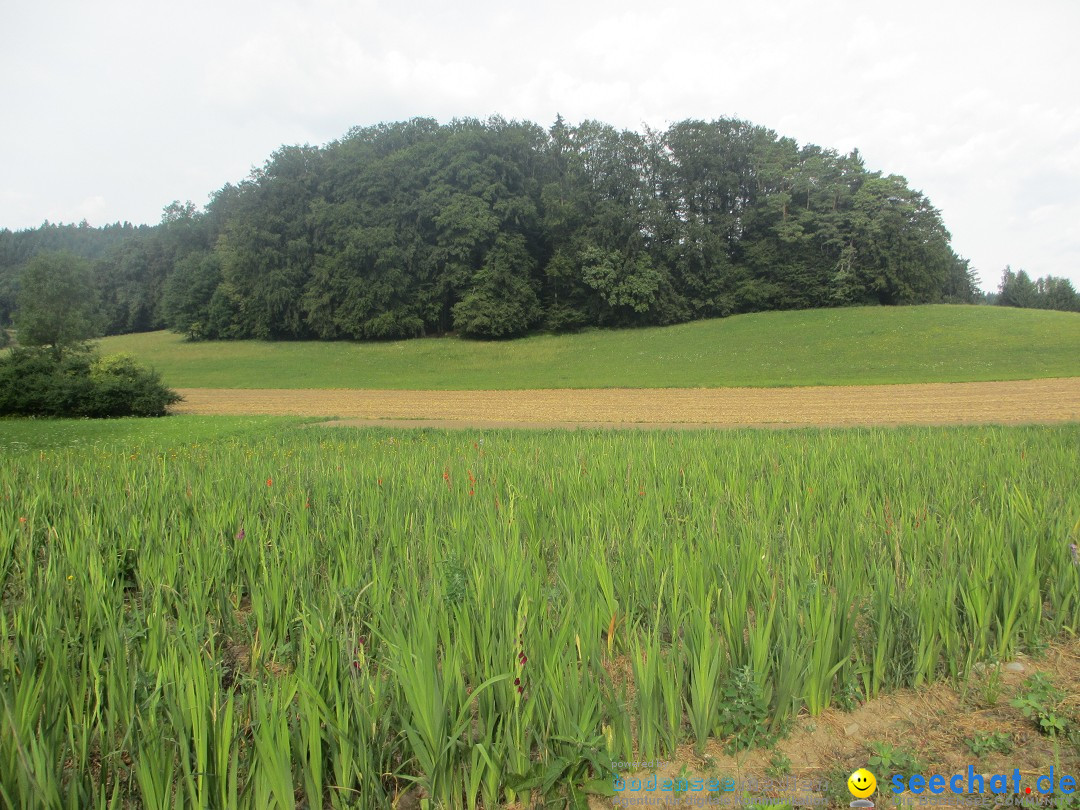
(42, 382)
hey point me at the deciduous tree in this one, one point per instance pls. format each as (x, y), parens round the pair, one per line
(56, 303)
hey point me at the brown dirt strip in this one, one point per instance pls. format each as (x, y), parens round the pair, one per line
(1011, 402)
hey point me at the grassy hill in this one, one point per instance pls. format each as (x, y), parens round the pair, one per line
(812, 347)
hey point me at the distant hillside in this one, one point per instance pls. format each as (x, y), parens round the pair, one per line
(810, 347)
(497, 228)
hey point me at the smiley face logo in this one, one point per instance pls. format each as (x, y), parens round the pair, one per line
(862, 784)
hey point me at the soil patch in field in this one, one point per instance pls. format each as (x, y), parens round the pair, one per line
(1009, 402)
(936, 727)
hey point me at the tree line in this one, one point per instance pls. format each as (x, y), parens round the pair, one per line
(98, 245)
(494, 228)
(55, 371)
(1018, 290)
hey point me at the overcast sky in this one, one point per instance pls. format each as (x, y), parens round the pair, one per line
(112, 109)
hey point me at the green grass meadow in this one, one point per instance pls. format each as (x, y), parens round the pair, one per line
(261, 614)
(865, 345)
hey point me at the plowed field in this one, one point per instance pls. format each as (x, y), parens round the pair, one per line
(1011, 402)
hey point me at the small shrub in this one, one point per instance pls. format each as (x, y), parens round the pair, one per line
(79, 383)
(1041, 703)
(682, 782)
(991, 689)
(849, 698)
(455, 579)
(989, 742)
(745, 713)
(779, 765)
(836, 789)
(890, 760)
(124, 388)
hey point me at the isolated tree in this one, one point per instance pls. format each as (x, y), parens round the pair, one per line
(56, 306)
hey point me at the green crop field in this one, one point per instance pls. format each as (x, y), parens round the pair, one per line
(813, 347)
(16, 434)
(323, 618)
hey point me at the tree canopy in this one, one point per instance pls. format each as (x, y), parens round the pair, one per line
(494, 228)
(56, 304)
(1018, 290)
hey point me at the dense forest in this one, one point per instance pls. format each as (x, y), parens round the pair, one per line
(17, 248)
(494, 228)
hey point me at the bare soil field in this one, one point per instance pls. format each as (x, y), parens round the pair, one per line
(1011, 402)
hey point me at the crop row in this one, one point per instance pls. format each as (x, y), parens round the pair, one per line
(327, 618)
